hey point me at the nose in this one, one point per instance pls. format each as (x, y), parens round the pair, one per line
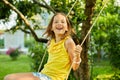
(60, 24)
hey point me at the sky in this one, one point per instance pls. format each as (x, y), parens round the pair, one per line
(11, 22)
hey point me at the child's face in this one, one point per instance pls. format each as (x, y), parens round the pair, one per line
(59, 26)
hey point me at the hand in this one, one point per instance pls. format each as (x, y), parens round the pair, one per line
(77, 59)
(78, 50)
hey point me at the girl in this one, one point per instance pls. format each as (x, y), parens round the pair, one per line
(62, 52)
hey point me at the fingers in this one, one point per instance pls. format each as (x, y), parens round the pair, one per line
(78, 49)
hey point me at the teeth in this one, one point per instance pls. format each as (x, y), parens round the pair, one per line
(59, 28)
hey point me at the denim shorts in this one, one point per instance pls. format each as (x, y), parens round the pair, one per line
(41, 76)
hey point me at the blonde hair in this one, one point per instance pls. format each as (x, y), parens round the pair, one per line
(51, 34)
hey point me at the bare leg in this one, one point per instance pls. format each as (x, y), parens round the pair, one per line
(21, 76)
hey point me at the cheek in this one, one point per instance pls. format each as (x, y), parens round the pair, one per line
(66, 28)
(52, 27)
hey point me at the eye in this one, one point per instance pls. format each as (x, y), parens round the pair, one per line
(55, 21)
(62, 21)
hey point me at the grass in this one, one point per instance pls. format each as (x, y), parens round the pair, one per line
(101, 69)
(7, 66)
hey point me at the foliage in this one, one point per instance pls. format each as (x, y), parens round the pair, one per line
(114, 49)
(13, 53)
(6, 9)
(116, 76)
(71, 76)
(106, 32)
(1, 43)
(27, 7)
(36, 53)
(29, 42)
(107, 22)
(105, 35)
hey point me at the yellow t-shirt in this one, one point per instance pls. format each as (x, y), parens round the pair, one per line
(58, 64)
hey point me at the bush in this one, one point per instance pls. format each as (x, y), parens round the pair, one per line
(29, 43)
(13, 53)
(1, 43)
(114, 50)
(36, 53)
(116, 76)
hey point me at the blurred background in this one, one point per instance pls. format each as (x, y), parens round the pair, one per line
(22, 44)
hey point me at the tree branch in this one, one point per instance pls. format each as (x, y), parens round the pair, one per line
(49, 7)
(25, 31)
(45, 6)
(25, 21)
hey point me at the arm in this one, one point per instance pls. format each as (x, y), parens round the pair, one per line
(74, 52)
(48, 43)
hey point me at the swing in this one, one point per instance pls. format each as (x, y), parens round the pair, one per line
(83, 39)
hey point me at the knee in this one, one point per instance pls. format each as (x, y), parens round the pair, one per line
(9, 77)
(6, 77)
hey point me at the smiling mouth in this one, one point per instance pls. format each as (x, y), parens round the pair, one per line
(59, 28)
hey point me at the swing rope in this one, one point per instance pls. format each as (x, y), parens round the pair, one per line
(42, 59)
(72, 7)
(88, 33)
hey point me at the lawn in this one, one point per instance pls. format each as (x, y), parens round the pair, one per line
(102, 70)
(22, 64)
(7, 66)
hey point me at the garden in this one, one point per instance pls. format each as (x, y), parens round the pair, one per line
(97, 29)
(101, 70)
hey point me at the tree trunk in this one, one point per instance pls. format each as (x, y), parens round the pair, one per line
(99, 54)
(83, 70)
